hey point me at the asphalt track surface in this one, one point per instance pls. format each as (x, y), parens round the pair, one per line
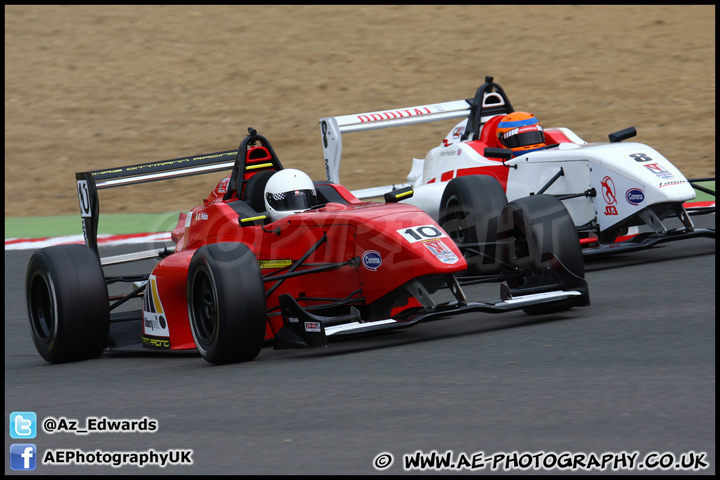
(634, 372)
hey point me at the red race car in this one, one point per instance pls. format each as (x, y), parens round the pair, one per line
(271, 256)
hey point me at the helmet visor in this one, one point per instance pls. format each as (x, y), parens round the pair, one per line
(293, 200)
(523, 139)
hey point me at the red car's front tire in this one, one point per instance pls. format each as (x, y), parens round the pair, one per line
(226, 303)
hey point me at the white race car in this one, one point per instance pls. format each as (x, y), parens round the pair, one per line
(611, 189)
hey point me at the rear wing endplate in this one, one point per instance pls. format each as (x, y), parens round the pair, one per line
(490, 99)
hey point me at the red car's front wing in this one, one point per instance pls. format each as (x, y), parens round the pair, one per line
(304, 329)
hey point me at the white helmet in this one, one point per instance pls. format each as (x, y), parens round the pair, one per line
(288, 191)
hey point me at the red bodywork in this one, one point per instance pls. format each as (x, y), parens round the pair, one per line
(383, 246)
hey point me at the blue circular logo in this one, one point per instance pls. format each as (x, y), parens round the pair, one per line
(634, 196)
(371, 260)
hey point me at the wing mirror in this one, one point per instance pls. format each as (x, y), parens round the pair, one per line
(621, 135)
(504, 153)
(398, 194)
(501, 153)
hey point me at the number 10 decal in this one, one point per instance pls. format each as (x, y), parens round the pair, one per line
(421, 233)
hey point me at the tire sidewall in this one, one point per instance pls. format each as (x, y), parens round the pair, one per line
(548, 228)
(238, 296)
(71, 279)
(480, 200)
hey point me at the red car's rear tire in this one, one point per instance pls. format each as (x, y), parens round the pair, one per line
(67, 303)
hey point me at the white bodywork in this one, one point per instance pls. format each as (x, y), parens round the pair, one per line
(623, 179)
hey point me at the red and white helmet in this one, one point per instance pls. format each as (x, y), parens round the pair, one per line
(289, 191)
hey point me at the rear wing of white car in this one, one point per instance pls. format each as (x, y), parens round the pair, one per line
(332, 128)
(490, 98)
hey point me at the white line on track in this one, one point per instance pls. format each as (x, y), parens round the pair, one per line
(104, 240)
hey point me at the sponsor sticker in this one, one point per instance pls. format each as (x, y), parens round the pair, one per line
(608, 193)
(670, 184)
(634, 196)
(312, 327)
(223, 186)
(441, 251)
(453, 152)
(658, 170)
(371, 260)
(389, 115)
(155, 342)
(275, 263)
(154, 321)
(608, 190)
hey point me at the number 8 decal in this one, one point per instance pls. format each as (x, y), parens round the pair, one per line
(640, 157)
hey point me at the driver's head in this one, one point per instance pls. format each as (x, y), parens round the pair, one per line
(520, 132)
(288, 191)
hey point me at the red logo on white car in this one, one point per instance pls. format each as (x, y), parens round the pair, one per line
(608, 190)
